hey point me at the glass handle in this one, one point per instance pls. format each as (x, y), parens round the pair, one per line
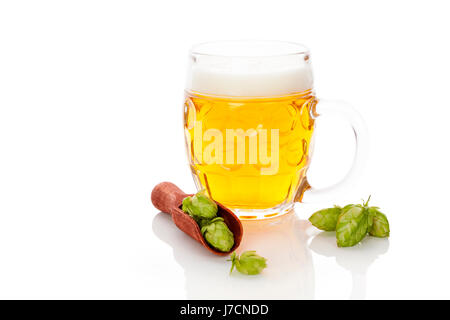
(343, 110)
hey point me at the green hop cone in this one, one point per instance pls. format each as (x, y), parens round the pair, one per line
(352, 226)
(379, 223)
(248, 263)
(188, 208)
(326, 219)
(217, 234)
(352, 222)
(200, 206)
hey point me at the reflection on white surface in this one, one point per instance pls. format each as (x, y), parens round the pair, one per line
(284, 242)
(355, 259)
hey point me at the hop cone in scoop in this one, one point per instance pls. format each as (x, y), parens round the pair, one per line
(217, 234)
(200, 207)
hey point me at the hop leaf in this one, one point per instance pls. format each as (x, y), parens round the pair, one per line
(380, 224)
(352, 226)
(217, 234)
(249, 263)
(326, 219)
(233, 260)
(200, 206)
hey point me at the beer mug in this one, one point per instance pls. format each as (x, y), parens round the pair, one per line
(249, 117)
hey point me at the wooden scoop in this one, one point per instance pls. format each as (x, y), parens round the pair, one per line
(167, 197)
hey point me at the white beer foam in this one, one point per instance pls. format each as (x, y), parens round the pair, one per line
(245, 82)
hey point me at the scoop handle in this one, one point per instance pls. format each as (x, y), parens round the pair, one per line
(166, 196)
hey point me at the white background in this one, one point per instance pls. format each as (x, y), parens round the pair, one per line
(91, 97)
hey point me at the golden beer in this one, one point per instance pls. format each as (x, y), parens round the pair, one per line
(252, 177)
